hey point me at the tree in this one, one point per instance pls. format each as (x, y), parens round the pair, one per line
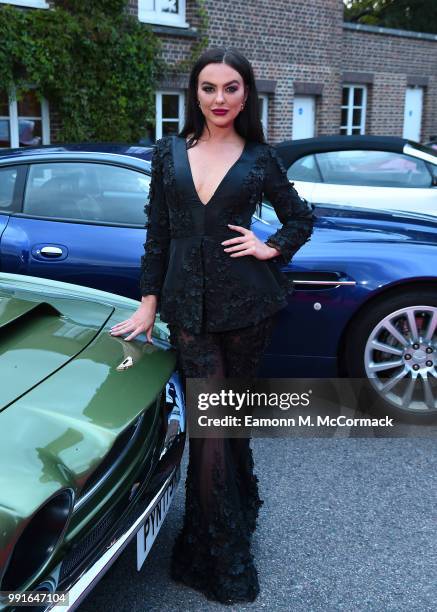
(416, 15)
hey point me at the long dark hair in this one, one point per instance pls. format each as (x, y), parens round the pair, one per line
(248, 122)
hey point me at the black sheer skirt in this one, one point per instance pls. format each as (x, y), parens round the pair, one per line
(212, 551)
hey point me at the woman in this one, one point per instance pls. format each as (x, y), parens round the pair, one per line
(218, 287)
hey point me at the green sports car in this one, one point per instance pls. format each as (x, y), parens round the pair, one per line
(92, 430)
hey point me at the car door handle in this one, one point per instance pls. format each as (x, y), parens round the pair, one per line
(51, 251)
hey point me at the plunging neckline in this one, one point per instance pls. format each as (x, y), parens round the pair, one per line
(187, 159)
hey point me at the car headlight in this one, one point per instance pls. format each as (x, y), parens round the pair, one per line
(39, 539)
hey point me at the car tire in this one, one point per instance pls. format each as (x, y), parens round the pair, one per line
(401, 380)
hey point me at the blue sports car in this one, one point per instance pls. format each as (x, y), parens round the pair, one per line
(365, 299)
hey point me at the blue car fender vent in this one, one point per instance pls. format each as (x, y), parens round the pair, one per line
(317, 281)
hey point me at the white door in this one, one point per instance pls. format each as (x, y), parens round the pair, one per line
(413, 113)
(304, 117)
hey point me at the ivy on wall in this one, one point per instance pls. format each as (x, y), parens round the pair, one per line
(96, 64)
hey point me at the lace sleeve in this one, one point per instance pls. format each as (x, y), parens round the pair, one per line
(295, 213)
(154, 261)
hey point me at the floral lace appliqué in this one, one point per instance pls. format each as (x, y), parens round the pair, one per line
(212, 552)
(211, 291)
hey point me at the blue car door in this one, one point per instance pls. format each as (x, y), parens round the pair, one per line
(81, 222)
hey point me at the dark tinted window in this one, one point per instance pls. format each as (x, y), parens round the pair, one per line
(373, 168)
(5, 129)
(8, 177)
(304, 169)
(5, 133)
(87, 192)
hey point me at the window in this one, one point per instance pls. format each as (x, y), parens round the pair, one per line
(32, 3)
(24, 122)
(425, 152)
(305, 169)
(170, 110)
(169, 113)
(8, 177)
(164, 12)
(87, 192)
(263, 111)
(373, 169)
(353, 109)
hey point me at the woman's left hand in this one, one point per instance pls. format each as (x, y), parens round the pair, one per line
(248, 244)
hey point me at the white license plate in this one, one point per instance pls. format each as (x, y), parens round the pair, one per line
(148, 531)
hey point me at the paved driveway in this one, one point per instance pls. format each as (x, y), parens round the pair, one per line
(347, 524)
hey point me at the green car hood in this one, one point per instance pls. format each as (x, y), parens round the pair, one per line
(71, 400)
(37, 338)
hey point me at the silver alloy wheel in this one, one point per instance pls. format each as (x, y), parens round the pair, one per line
(400, 358)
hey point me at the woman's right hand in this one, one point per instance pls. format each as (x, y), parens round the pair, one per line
(141, 321)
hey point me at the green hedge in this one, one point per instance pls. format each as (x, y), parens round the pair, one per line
(95, 63)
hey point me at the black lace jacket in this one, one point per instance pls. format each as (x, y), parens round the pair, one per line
(199, 286)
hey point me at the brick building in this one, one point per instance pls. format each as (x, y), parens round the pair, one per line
(315, 73)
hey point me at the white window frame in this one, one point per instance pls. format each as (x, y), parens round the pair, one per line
(265, 113)
(31, 3)
(158, 16)
(158, 110)
(13, 121)
(350, 108)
